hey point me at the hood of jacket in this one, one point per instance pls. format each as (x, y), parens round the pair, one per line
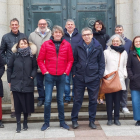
(73, 34)
(38, 31)
(102, 32)
(31, 45)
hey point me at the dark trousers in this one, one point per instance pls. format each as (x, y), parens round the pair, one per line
(79, 88)
(40, 86)
(113, 98)
(124, 95)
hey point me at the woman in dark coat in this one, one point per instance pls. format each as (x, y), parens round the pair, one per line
(2, 68)
(22, 69)
(99, 33)
(133, 69)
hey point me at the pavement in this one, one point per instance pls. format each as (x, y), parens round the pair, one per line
(127, 131)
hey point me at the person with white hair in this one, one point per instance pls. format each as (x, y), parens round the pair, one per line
(113, 54)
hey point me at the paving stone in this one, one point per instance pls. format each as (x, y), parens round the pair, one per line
(119, 132)
(124, 138)
(57, 132)
(89, 133)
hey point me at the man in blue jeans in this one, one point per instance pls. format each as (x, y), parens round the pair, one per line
(73, 37)
(55, 61)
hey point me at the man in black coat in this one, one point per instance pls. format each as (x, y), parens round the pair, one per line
(73, 37)
(119, 30)
(7, 42)
(88, 69)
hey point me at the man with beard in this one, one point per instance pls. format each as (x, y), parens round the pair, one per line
(119, 30)
(38, 37)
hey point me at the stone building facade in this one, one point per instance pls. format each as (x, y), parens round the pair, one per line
(127, 13)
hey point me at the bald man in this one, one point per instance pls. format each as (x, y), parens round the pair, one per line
(38, 37)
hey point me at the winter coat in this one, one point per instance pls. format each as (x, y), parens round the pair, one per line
(56, 64)
(21, 69)
(7, 42)
(89, 68)
(2, 69)
(133, 69)
(101, 36)
(111, 64)
(127, 45)
(74, 40)
(38, 40)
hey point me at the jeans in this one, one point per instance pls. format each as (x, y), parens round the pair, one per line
(60, 85)
(113, 98)
(40, 86)
(135, 94)
(67, 87)
(79, 89)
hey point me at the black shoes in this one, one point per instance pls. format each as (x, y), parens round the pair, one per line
(117, 122)
(74, 124)
(109, 122)
(1, 124)
(40, 103)
(18, 127)
(137, 123)
(92, 125)
(25, 126)
(66, 102)
(13, 115)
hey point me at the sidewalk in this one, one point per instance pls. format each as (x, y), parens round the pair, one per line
(127, 131)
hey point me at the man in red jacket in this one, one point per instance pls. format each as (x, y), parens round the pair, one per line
(55, 60)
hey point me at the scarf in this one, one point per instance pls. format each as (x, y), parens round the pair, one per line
(119, 49)
(138, 51)
(25, 51)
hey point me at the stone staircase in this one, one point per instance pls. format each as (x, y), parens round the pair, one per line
(38, 116)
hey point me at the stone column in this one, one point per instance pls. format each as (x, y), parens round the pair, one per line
(3, 18)
(123, 13)
(136, 18)
(15, 10)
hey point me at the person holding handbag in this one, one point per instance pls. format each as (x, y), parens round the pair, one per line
(133, 69)
(115, 62)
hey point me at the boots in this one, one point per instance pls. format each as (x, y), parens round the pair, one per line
(1, 125)
(25, 126)
(18, 127)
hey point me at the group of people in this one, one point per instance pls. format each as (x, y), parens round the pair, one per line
(58, 56)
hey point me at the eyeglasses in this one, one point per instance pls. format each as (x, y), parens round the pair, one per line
(86, 35)
(42, 23)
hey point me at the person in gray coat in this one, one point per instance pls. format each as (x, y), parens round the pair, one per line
(41, 34)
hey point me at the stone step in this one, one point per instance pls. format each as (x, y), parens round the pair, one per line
(54, 94)
(6, 107)
(39, 117)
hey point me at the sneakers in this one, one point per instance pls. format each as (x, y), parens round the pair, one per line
(64, 125)
(13, 115)
(1, 124)
(125, 110)
(45, 126)
(137, 123)
(101, 101)
(66, 102)
(40, 103)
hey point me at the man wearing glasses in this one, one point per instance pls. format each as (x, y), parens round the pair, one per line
(38, 37)
(88, 69)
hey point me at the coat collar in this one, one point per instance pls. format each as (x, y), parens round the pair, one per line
(31, 45)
